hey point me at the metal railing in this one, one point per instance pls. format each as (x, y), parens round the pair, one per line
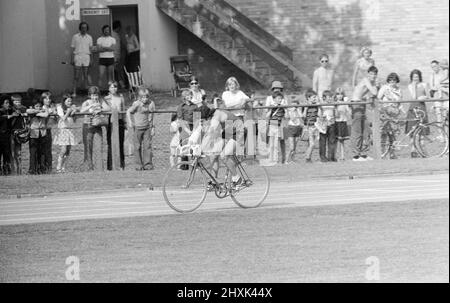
(162, 137)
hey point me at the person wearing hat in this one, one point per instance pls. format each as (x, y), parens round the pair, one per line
(277, 86)
(323, 76)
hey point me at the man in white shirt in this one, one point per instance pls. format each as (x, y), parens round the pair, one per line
(323, 76)
(81, 57)
(435, 78)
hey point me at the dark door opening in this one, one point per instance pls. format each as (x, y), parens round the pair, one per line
(127, 15)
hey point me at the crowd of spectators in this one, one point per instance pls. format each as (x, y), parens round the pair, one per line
(279, 124)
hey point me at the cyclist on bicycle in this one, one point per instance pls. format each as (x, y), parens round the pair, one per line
(225, 135)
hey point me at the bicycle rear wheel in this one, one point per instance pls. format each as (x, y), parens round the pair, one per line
(255, 185)
(184, 187)
(431, 140)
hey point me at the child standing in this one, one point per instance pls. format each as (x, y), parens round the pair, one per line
(5, 136)
(94, 107)
(390, 111)
(310, 116)
(65, 138)
(343, 114)
(17, 123)
(275, 116)
(185, 118)
(142, 111)
(38, 133)
(175, 142)
(328, 137)
(48, 105)
(294, 129)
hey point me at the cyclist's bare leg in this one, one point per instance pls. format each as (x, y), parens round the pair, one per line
(229, 159)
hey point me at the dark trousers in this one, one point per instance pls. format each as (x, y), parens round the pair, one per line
(92, 130)
(5, 153)
(16, 156)
(47, 152)
(121, 140)
(37, 155)
(328, 139)
(359, 136)
(85, 131)
(143, 153)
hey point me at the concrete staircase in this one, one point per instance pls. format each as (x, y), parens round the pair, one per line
(238, 39)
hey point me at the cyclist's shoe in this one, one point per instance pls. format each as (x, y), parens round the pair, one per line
(211, 186)
(236, 184)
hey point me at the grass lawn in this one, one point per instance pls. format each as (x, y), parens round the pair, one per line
(308, 244)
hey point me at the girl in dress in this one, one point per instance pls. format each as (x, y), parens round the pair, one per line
(65, 139)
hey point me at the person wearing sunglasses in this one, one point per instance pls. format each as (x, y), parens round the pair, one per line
(323, 76)
(198, 94)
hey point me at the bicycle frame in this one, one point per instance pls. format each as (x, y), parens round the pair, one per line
(395, 144)
(218, 186)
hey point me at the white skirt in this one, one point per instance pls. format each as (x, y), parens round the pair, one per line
(64, 137)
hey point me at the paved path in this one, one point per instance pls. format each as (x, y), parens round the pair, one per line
(298, 194)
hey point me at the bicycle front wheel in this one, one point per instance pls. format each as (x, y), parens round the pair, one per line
(431, 140)
(255, 185)
(184, 187)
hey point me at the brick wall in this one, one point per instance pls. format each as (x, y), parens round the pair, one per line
(404, 34)
(210, 67)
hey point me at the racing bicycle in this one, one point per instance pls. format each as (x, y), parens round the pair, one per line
(186, 185)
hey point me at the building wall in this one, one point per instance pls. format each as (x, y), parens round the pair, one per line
(404, 34)
(36, 34)
(23, 52)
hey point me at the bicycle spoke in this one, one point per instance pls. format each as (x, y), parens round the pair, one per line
(254, 187)
(184, 187)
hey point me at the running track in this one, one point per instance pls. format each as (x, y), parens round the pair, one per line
(298, 194)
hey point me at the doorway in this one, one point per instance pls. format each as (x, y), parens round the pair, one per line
(128, 17)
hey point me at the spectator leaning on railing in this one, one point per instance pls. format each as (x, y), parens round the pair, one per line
(49, 106)
(310, 115)
(367, 89)
(94, 107)
(5, 136)
(17, 123)
(327, 137)
(65, 137)
(38, 138)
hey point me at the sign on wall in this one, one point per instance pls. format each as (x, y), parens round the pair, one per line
(95, 12)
